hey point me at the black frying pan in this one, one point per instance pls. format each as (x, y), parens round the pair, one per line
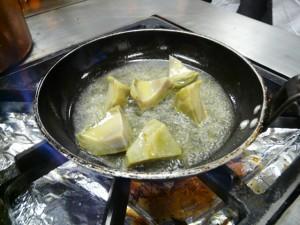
(57, 91)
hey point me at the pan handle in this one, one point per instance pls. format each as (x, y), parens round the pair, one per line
(115, 211)
(287, 96)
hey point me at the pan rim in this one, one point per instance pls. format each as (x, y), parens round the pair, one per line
(132, 174)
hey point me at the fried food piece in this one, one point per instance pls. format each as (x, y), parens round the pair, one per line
(188, 101)
(117, 93)
(109, 136)
(179, 74)
(148, 94)
(153, 143)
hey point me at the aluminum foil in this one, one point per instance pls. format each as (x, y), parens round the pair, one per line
(72, 194)
(225, 216)
(267, 158)
(18, 132)
(69, 194)
(268, 175)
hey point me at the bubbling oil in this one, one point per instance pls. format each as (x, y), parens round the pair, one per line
(198, 142)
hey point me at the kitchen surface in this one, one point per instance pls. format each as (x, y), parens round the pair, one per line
(79, 21)
(42, 186)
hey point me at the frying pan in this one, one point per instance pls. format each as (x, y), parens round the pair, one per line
(59, 89)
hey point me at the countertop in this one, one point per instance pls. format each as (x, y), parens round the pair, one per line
(67, 26)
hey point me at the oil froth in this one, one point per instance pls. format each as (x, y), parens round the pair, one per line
(198, 142)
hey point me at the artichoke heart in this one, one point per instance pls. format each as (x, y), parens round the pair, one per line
(179, 74)
(117, 93)
(149, 93)
(153, 143)
(188, 101)
(109, 136)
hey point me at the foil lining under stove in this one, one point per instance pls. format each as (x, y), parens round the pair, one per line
(73, 194)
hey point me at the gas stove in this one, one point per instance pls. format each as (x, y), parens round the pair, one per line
(27, 178)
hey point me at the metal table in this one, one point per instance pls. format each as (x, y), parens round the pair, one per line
(67, 26)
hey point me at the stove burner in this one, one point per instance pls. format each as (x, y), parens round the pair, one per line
(17, 91)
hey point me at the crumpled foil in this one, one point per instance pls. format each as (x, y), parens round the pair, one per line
(267, 158)
(18, 132)
(273, 170)
(70, 194)
(224, 216)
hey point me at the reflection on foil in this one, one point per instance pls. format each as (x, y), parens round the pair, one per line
(267, 158)
(70, 194)
(6, 160)
(225, 216)
(18, 132)
(7, 168)
(269, 174)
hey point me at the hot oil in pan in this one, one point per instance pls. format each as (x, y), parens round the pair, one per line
(198, 142)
